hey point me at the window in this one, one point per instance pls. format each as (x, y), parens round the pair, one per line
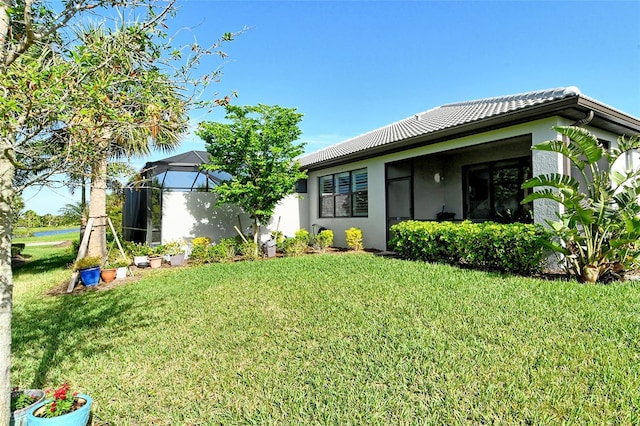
(344, 194)
(493, 191)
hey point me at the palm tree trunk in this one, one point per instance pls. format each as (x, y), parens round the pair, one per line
(97, 208)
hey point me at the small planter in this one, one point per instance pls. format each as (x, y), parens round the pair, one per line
(79, 417)
(108, 275)
(141, 260)
(121, 272)
(19, 417)
(155, 262)
(90, 276)
(177, 259)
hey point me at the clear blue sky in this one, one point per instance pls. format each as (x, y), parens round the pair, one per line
(353, 66)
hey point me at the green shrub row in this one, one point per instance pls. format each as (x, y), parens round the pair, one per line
(514, 248)
(203, 252)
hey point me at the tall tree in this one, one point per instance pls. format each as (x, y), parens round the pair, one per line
(128, 106)
(42, 130)
(257, 148)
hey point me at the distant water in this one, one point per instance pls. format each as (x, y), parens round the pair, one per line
(56, 232)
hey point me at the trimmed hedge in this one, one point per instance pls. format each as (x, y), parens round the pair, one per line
(514, 248)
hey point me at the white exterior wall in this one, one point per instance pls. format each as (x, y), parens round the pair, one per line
(293, 213)
(449, 191)
(186, 215)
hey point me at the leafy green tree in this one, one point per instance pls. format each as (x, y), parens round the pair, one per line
(43, 81)
(30, 219)
(598, 231)
(257, 148)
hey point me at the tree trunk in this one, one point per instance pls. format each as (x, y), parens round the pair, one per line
(98, 208)
(7, 173)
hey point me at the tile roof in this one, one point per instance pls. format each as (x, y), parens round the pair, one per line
(437, 119)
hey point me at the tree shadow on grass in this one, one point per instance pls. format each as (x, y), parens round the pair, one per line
(67, 328)
(54, 261)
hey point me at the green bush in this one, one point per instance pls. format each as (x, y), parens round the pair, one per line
(201, 241)
(294, 246)
(323, 240)
(514, 248)
(598, 231)
(224, 251)
(303, 235)
(354, 238)
(249, 250)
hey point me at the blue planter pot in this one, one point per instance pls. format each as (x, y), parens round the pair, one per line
(80, 417)
(90, 276)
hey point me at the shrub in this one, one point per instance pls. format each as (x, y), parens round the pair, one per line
(354, 238)
(136, 249)
(87, 262)
(323, 240)
(515, 248)
(303, 235)
(278, 236)
(294, 246)
(224, 251)
(249, 250)
(201, 241)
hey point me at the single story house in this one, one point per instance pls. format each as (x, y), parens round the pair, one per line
(467, 159)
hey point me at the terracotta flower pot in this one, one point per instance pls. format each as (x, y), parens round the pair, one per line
(155, 262)
(108, 275)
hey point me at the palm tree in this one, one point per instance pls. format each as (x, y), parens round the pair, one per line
(128, 106)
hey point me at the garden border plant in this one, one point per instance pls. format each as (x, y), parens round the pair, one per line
(597, 234)
(515, 248)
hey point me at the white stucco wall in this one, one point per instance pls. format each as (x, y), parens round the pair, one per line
(186, 215)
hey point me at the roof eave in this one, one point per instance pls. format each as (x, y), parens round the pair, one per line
(608, 118)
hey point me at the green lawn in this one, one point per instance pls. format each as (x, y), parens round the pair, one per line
(335, 339)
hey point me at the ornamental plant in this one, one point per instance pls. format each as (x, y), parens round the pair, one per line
(87, 262)
(21, 399)
(323, 240)
(598, 230)
(354, 238)
(62, 401)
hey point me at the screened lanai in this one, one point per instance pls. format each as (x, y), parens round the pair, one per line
(148, 202)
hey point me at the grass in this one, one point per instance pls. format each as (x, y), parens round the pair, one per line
(335, 339)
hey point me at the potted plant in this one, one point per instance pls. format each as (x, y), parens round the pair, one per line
(89, 268)
(121, 266)
(176, 252)
(140, 253)
(62, 407)
(21, 402)
(155, 256)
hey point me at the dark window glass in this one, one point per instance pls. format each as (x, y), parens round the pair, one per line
(344, 194)
(493, 191)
